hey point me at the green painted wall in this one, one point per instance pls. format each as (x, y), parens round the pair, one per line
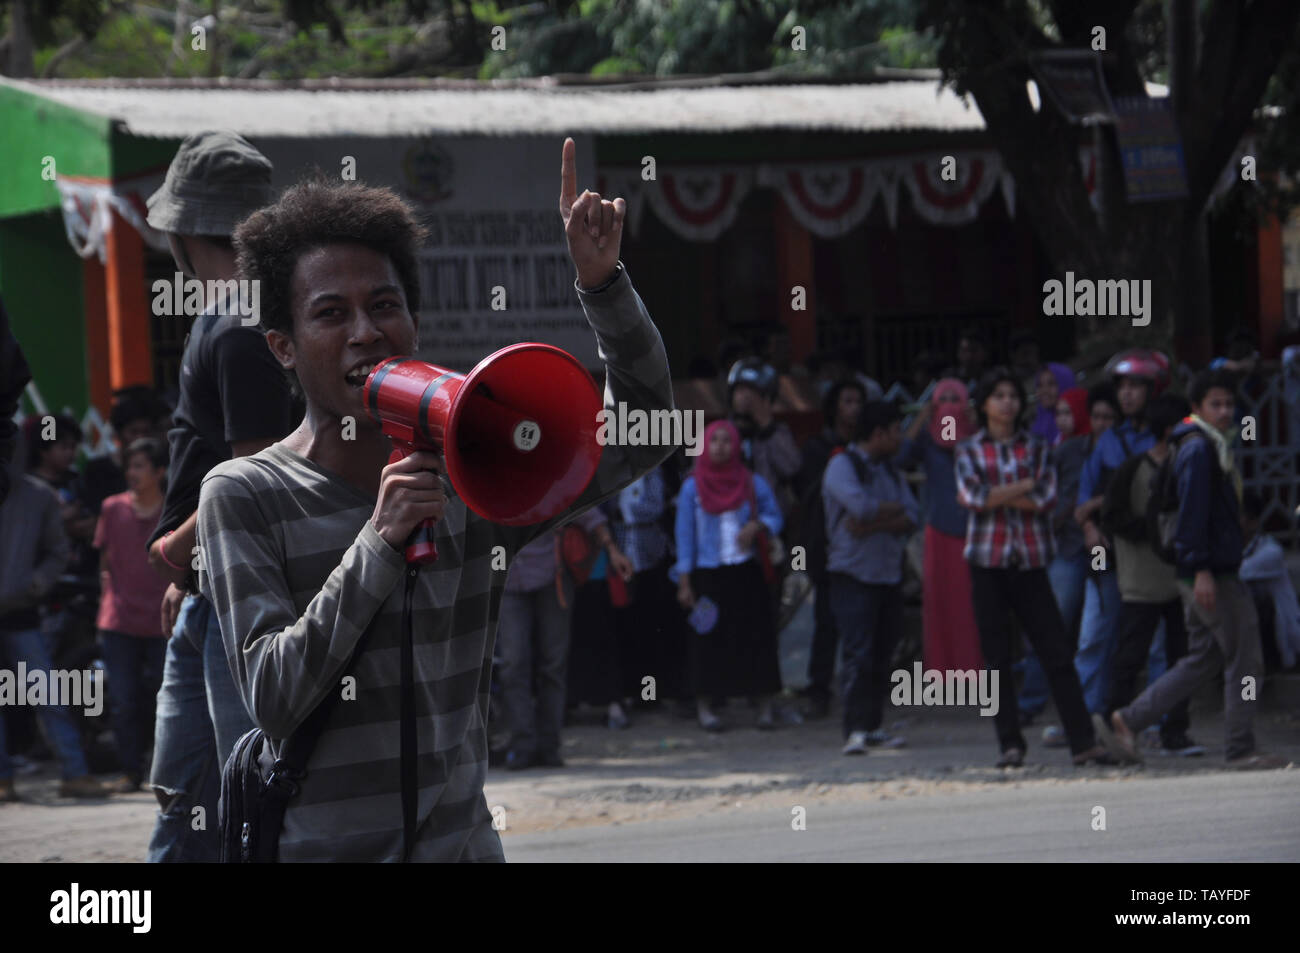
(134, 155)
(32, 128)
(40, 278)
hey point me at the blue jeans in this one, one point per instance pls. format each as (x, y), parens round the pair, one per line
(1097, 639)
(200, 717)
(33, 647)
(1067, 575)
(135, 668)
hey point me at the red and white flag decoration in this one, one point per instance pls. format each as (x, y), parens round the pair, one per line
(828, 198)
(699, 203)
(951, 193)
(88, 205)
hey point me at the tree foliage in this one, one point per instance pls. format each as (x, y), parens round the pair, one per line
(309, 38)
(1233, 51)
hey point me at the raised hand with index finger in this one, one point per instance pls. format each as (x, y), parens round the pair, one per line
(593, 226)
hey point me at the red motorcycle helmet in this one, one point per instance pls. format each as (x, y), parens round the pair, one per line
(1142, 363)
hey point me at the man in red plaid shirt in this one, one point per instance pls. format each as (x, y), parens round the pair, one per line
(1006, 479)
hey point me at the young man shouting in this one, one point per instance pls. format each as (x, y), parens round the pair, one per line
(303, 542)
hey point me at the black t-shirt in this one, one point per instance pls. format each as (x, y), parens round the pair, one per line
(231, 389)
(102, 478)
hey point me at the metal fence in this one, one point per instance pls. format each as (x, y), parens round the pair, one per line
(1269, 462)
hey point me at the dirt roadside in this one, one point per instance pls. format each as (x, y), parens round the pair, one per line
(664, 767)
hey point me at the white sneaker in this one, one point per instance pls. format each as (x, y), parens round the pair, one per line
(857, 743)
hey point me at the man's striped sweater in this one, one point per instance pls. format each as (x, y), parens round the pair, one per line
(297, 573)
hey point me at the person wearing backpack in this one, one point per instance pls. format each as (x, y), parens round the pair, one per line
(950, 639)
(1206, 541)
(1148, 587)
(841, 408)
(1140, 375)
(869, 513)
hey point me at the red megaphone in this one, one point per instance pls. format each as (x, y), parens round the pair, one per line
(518, 432)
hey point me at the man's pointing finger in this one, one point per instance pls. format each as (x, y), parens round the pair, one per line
(568, 174)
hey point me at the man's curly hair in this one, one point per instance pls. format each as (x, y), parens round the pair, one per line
(320, 212)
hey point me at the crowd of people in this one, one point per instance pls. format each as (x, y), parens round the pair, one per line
(1104, 527)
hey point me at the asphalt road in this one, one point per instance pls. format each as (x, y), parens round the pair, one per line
(1220, 816)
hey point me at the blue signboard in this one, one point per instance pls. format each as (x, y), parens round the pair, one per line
(1150, 149)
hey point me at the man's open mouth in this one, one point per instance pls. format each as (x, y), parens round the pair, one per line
(357, 376)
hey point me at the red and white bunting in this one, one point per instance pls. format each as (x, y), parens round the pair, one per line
(830, 198)
(700, 203)
(951, 193)
(88, 205)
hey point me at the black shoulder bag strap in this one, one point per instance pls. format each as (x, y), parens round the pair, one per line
(291, 767)
(860, 469)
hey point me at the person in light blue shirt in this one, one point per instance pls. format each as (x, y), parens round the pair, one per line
(869, 513)
(721, 510)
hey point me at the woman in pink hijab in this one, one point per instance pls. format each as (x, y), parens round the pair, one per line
(732, 648)
(950, 638)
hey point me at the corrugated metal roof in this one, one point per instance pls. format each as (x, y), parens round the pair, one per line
(173, 110)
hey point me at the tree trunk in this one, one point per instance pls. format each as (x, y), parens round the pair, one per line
(21, 63)
(1191, 294)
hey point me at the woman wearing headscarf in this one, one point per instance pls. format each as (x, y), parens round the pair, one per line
(1068, 570)
(1052, 381)
(950, 639)
(721, 509)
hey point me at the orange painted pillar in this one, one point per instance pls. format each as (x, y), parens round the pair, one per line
(130, 339)
(1269, 275)
(96, 308)
(794, 262)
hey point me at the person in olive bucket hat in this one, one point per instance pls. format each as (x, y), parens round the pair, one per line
(234, 401)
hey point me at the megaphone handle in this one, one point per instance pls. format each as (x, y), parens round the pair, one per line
(420, 546)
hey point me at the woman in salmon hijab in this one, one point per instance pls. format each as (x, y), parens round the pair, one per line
(720, 511)
(950, 638)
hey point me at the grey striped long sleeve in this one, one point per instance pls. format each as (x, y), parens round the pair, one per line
(296, 573)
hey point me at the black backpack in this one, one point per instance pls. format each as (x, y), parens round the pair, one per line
(1117, 516)
(1162, 506)
(817, 542)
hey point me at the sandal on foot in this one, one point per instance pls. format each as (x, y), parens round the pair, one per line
(1011, 758)
(1097, 754)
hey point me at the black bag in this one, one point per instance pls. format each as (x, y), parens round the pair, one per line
(1117, 516)
(1107, 474)
(1162, 506)
(256, 788)
(818, 542)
